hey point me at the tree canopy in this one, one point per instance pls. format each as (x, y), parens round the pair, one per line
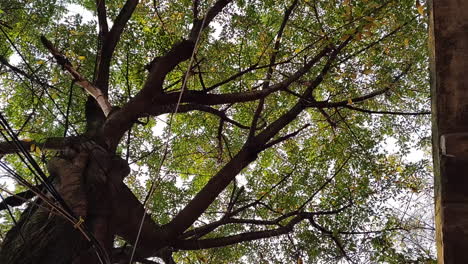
(253, 131)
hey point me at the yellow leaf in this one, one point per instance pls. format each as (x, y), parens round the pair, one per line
(387, 50)
(27, 140)
(350, 101)
(367, 33)
(40, 62)
(358, 36)
(406, 42)
(367, 71)
(32, 148)
(344, 37)
(81, 57)
(297, 50)
(346, 2)
(420, 8)
(38, 150)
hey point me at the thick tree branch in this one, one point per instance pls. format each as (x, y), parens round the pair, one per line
(95, 92)
(18, 199)
(200, 24)
(56, 143)
(102, 17)
(195, 208)
(110, 41)
(122, 120)
(127, 217)
(203, 230)
(201, 97)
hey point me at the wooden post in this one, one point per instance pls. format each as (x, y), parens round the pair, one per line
(448, 43)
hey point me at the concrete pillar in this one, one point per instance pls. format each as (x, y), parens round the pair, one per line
(449, 90)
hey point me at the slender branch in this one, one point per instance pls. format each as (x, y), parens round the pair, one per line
(332, 236)
(233, 77)
(286, 137)
(95, 92)
(194, 244)
(221, 114)
(195, 208)
(276, 47)
(200, 231)
(235, 239)
(32, 78)
(326, 182)
(391, 33)
(387, 112)
(344, 103)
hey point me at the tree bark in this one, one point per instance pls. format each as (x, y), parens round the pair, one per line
(88, 178)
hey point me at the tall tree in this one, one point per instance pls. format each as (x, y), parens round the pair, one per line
(214, 131)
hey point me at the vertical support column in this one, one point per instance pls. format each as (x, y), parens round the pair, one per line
(448, 43)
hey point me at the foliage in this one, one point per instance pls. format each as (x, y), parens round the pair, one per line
(369, 202)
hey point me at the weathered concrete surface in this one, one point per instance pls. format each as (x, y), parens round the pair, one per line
(449, 88)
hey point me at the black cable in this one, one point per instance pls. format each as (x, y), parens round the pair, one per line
(36, 170)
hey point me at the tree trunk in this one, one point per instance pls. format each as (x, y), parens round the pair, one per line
(87, 177)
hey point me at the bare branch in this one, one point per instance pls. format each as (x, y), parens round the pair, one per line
(95, 92)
